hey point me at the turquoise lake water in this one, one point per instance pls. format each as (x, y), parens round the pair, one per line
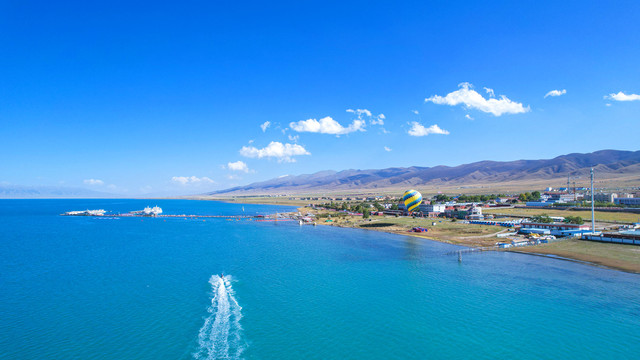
(132, 288)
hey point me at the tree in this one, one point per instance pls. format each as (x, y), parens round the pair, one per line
(395, 207)
(378, 206)
(366, 213)
(574, 220)
(522, 197)
(542, 219)
(535, 195)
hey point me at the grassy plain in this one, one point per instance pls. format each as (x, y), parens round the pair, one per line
(444, 230)
(616, 256)
(619, 256)
(259, 200)
(603, 216)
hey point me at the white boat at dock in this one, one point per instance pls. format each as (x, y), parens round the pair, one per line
(87, 212)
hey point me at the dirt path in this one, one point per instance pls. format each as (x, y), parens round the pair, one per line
(483, 236)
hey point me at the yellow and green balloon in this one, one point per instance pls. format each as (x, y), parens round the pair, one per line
(412, 200)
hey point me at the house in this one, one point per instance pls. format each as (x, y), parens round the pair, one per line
(456, 211)
(620, 238)
(535, 231)
(558, 229)
(559, 196)
(432, 208)
(540, 203)
(475, 213)
(627, 201)
(605, 197)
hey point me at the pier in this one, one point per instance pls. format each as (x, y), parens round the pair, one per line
(127, 215)
(156, 212)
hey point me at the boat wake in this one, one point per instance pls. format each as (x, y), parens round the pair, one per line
(221, 335)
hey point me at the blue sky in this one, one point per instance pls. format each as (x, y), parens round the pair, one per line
(171, 97)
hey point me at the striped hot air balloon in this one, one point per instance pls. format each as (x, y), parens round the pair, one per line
(412, 200)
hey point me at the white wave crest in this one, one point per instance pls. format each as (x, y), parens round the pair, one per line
(221, 335)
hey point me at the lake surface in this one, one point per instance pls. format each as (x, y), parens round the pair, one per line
(150, 288)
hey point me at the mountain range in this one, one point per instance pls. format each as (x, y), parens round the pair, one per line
(608, 164)
(50, 192)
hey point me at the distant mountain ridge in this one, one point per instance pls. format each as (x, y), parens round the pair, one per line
(608, 163)
(49, 192)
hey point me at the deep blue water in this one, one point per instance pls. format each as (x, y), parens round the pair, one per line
(132, 288)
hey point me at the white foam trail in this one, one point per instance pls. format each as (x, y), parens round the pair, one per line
(221, 335)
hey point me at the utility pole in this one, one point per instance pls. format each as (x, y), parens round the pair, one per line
(593, 216)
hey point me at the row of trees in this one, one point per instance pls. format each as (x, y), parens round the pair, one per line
(542, 219)
(523, 197)
(468, 198)
(529, 196)
(362, 208)
(574, 220)
(357, 207)
(545, 219)
(587, 203)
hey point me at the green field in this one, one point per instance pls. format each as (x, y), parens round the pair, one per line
(445, 230)
(603, 216)
(620, 256)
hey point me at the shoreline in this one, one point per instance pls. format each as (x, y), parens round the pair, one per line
(590, 263)
(543, 250)
(553, 250)
(535, 252)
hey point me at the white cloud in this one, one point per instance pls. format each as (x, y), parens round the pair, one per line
(326, 125)
(472, 99)
(387, 148)
(294, 138)
(278, 150)
(418, 130)
(363, 114)
(378, 120)
(623, 97)
(238, 166)
(415, 112)
(555, 93)
(490, 92)
(191, 180)
(607, 104)
(282, 176)
(468, 117)
(93, 182)
(360, 112)
(265, 125)
(251, 141)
